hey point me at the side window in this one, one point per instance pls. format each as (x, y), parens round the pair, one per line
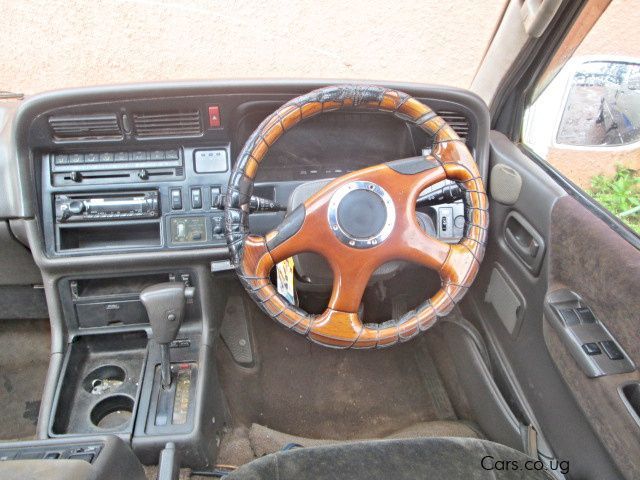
(584, 116)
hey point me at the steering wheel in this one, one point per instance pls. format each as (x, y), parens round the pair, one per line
(358, 222)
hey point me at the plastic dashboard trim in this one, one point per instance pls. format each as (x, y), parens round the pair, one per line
(22, 201)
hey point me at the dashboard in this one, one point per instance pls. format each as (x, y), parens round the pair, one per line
(142, 168)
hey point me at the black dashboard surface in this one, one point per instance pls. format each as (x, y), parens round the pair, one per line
(333, 144)
(138, 121)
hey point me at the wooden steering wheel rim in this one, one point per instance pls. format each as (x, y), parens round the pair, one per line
(307, 229)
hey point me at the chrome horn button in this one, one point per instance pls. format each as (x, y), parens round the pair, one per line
(361, 214)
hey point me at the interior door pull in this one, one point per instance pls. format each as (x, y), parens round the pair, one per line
(525, 241)
(526, 247)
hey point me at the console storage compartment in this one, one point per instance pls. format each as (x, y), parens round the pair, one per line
(111, 301)
(100, 385)
(108, 235)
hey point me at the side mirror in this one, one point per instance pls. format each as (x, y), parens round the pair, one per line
(602, 105)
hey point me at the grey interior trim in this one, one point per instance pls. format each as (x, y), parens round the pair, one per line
(491, 411)
(15, 181)
(16, 260)
(115, 460)
(506, 299)
(505, 183)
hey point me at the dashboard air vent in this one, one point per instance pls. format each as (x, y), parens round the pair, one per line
(457, 121)
(167, 124)
(85, 127)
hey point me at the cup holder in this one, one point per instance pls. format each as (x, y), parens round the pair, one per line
(104, 379)
(112, 412)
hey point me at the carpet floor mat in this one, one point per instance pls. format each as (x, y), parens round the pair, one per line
(24, 360)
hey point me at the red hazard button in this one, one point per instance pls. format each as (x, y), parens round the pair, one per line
(214, 116)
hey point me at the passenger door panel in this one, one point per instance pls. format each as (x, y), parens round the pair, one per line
(523, 251)
(587, 257)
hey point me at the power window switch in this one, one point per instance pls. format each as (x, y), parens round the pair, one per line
(586, 315)
(87, 457)
(52, 456)
(612, 350)
(569, 316)
(176, 199)
(196, 198)
(591, 349)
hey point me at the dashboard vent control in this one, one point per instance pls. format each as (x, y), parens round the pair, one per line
(85, 127)
(457, 121)
(167, 124)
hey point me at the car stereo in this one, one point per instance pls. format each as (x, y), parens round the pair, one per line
(107, 206)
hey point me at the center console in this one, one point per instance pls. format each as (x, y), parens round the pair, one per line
(164, 199)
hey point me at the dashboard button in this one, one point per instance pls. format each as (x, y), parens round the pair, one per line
(76, 158)
(91, 157)
(61, 159)
(106, 157)
(214, 116)
(157, 155)
(121, 157)
(139, 156)
(196, 198)
(215, 196)
(176, 199)
(171, 154)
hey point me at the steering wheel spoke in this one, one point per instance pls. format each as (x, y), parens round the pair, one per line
(423, 249)
(350, 279)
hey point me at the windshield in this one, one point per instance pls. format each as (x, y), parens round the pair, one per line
(57, 44)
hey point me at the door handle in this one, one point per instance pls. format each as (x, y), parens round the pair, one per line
(525, 245)
(525, 241)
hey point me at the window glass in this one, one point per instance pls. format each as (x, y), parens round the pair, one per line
(585, 121)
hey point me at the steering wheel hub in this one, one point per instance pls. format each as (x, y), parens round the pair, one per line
(361, 214)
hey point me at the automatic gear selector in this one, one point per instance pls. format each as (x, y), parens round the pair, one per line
(165, 304)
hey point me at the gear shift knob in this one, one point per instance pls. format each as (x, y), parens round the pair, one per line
(165, 304)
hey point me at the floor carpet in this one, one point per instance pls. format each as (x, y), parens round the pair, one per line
(24, 360)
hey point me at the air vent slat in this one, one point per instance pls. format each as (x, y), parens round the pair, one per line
(457, 121)
(168, 124)
(85, 127)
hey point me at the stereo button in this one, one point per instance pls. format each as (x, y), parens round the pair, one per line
(106, 157)
(157, 155)
(139, 156)
(62, 159)
(91, 157)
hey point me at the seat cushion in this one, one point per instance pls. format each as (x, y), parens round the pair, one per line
(424, 458)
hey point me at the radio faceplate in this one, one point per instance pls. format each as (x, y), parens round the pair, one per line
(107, 206)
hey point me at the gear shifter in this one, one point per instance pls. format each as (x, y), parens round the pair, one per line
(165, 304)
